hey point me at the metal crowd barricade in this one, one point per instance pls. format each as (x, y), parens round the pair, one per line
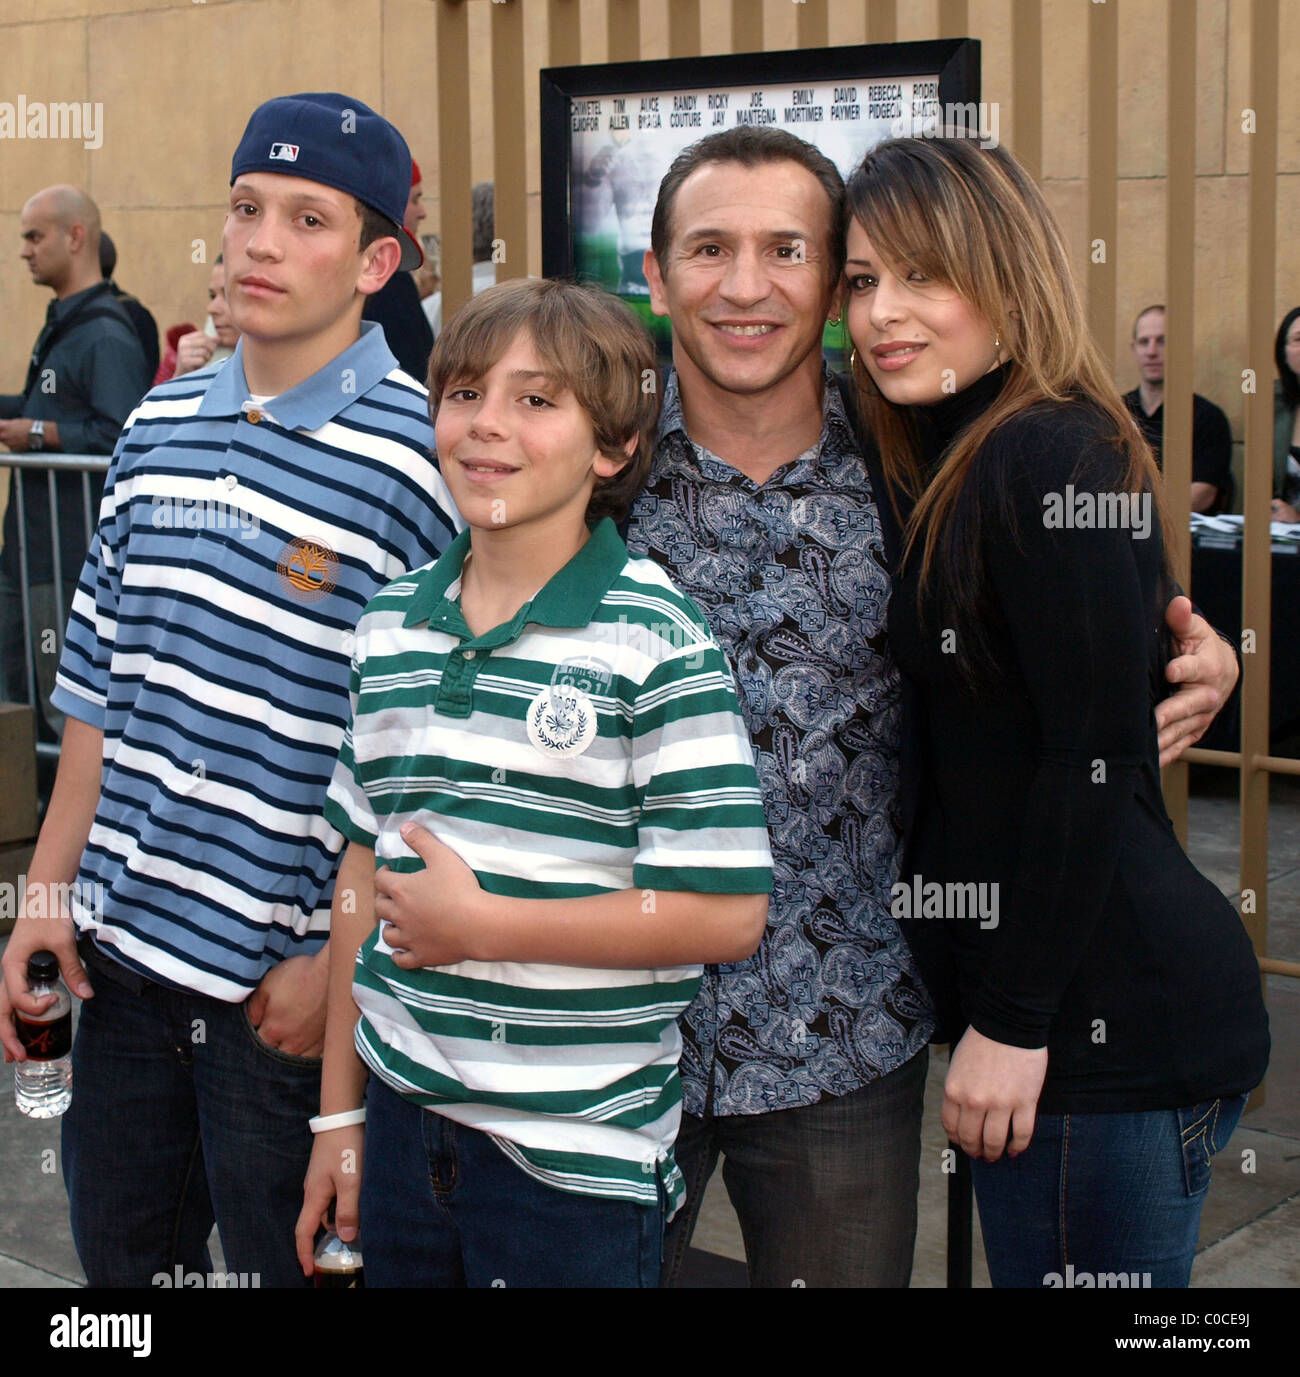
(55, 463)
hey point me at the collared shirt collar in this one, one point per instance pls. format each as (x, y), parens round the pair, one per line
(315, 400)
(672, 419)
(66, 306)
(569, 599)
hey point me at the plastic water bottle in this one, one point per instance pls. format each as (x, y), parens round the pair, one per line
(338, 1264)
(43, 1083)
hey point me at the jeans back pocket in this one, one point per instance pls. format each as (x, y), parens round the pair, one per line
(1204, 1129)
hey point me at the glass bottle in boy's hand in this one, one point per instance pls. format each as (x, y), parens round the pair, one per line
(43, 1083)
(338, 1264)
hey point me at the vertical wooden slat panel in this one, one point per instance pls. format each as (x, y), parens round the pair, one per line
(1103, 170)
(812, 24)
(1027, 83)
(623, 20)
(746, 26)
(454, 155)
(954, 22)
(1180, 319)
(1180, 272)
(882, 21)
(683, 28)
(509, 167)
(1256, 611)
(564, 32)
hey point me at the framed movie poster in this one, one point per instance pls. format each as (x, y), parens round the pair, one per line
(609, 133)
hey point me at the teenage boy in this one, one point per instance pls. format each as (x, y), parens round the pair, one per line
(562, 719)
(249, 516)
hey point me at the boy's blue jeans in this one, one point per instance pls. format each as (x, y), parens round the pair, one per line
(1103, 1199)
(442, 1206)
(180, 1112)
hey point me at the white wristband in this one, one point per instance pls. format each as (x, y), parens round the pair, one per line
(322, 1123)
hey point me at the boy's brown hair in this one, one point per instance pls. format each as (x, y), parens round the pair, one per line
(593, 344)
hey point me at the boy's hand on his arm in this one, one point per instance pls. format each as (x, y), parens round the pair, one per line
(440, 916)
(288, 1008)
(429, 917)
(334, 1174)
(1206, 670)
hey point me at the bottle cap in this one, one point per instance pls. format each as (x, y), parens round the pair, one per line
(333, 1255)
(42, 967)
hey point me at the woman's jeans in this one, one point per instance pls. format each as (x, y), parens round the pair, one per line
(443, 1206)
(1103, 1200)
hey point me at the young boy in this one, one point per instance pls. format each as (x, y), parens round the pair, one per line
(561, 717)
(249, 516)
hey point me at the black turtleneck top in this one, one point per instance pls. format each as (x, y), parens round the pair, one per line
(1092, 934)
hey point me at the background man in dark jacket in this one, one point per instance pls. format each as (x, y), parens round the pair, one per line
(87, 372)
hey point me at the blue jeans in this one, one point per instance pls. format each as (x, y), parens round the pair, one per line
(825, 1193)
(47, 634)
(443, 1206)
(1096, 1197)
(180, 1114)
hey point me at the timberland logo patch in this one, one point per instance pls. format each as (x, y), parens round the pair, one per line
(308, 569)
(285, 152)
(561, 721)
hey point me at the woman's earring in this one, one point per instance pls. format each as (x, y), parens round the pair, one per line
(853, 359)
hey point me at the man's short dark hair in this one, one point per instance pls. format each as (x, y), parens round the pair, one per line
(751, 147)
(373, 225)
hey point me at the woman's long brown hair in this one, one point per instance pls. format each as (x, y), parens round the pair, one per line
(971, 218)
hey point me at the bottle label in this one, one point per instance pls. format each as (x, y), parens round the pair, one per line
(45, 1041)
(332, 1279)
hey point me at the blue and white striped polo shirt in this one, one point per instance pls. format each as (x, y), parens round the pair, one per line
(211, 639)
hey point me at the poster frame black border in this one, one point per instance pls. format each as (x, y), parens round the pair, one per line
(957, 61)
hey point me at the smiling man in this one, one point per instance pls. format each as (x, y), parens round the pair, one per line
(205, 681)
(804, 1065)
(1212, 483)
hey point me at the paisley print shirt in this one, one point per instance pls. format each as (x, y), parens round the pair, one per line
(791, 577)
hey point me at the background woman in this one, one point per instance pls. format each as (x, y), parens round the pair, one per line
(1286, 419)
(1109, 995)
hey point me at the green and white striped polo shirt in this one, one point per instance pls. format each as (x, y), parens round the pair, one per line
(593, 743)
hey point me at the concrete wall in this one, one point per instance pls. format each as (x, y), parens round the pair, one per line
(177, 79)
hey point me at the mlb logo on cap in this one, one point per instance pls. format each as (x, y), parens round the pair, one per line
(339, 142)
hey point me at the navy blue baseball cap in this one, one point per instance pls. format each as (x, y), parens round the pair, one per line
(337, 141)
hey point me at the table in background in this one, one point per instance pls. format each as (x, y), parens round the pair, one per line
(1216, 590)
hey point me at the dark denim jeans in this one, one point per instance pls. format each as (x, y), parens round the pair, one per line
(826, 1193)
(443, 1206)
(1103, 1199)
(180, 1114)
(46, 643)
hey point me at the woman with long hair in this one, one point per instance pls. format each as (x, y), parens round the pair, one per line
(1102, 997)
(1286, 419)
